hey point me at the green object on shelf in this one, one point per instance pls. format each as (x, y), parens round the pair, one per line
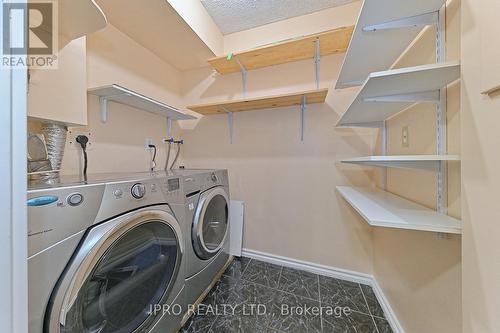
(229, 56)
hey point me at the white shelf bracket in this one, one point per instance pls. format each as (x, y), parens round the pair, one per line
(407, 22)
(243, 72)
(230, 123)
(426, 96)
(303, 108)
(317, 61)
(103, 105)
(169, 128)
(441, 125)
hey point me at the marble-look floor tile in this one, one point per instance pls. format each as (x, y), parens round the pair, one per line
(289, 314)
(383, 325)
(238, 324)
(371, 300)
(237, 267)
(263, 273)
(201, 320)
(221, 291)
(299, 282)
(342, 293)
(355, 322)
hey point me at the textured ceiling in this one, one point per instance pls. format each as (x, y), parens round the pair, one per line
(238, 15)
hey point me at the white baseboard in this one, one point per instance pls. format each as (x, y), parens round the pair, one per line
(334, 272)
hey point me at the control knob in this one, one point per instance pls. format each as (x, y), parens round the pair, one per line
(138, 191)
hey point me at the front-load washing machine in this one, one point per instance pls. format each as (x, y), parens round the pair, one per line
(207, 236)
(107, 256)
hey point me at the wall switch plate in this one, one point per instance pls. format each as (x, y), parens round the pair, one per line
(74, 132)
(405, 138)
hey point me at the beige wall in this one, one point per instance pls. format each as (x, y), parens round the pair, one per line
(419, 272)
(288, 186)
(119, 145)
(480, 166)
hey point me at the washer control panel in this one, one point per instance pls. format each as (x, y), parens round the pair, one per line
(138, 190)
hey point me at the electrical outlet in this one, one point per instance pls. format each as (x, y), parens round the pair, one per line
(149, 142)
(74, 132)
(405, 138)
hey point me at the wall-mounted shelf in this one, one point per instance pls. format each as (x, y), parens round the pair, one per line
(425, 162)
(383, 209)
(386, 93)
(268, 102)
(300, 98)
(118, 94)
(385, 28)
(332, 41)
(77, 19)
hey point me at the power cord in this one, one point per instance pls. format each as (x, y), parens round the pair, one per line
(83, 140)
(153, 161)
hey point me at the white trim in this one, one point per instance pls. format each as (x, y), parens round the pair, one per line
(334, 272)
(386, 306)
(13, 229)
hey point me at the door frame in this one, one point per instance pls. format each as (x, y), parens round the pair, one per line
(14, 222)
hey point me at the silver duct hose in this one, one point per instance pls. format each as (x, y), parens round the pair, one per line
(176, 155)
(55, 138)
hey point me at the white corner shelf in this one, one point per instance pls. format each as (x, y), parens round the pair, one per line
(384, 30)
(389, 92)
(383, 209)
(78, 19)
(425, 162)
(118, 94)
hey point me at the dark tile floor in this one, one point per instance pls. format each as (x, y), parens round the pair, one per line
(254, 296)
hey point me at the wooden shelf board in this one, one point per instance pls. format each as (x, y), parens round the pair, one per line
(425, 162)
(121, 95)
(383, 209)
(410, 80)
(332, 41)
(373, 51)
(312, 97)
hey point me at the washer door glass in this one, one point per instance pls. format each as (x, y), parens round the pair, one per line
(132, 275)
(214, 224)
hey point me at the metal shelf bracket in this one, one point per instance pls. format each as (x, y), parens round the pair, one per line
(303, 108)
(317, 61)
(230, 123)
(103, 104)
(244, 75)
(407, 22)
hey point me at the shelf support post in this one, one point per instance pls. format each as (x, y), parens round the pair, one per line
(407, 22)
(317, 61)
(441, 125)
(243, 72)
(230, 123)
(383, 144)
(103, 104)
(303, 108)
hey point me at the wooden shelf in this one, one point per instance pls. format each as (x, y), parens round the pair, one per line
(118, 94)
(77, 19)
(425, 162)
(332, 41)
(311, 97)
(389, 92)
(383, 209)
(377, 50)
